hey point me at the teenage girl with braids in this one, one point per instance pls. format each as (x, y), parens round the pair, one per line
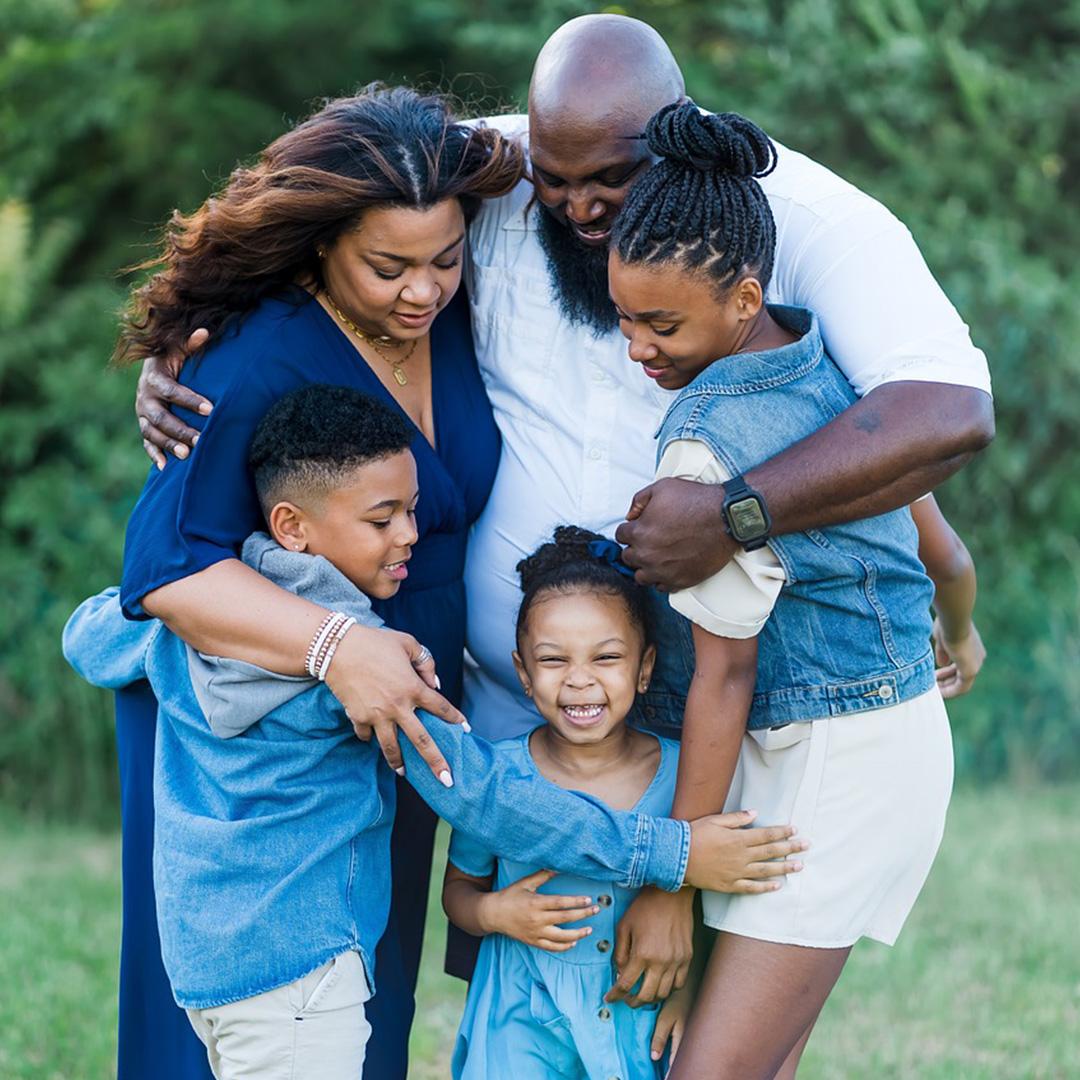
(536, 1001)
(814, 696)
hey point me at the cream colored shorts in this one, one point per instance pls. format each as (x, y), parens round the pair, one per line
(310, 1029)
(870, 791)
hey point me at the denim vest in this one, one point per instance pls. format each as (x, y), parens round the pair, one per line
(851, 628)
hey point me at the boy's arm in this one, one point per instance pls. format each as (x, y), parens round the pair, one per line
(959, 649)
(103, 646)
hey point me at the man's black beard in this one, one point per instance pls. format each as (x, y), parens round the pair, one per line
(579, 276)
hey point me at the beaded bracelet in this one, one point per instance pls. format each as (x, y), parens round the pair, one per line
(316, 650)
(335, 641)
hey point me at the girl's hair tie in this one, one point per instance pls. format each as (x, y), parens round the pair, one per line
(608, 551)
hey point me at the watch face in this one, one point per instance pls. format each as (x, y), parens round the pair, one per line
(746, 519)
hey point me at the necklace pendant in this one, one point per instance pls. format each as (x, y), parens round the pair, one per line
(402, 378)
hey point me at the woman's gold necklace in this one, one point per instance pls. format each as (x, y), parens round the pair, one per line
(377, 343)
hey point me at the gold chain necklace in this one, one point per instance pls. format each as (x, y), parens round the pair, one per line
(377, 343)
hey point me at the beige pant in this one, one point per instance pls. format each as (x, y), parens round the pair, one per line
(311, 1029)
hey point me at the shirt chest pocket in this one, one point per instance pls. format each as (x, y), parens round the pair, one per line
(515, 325)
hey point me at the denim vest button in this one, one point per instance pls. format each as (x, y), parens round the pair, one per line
(604, 1014)
(885, 692)
(603, 945)
(604, 901)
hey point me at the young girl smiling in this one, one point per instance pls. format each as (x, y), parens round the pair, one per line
(536, 1003)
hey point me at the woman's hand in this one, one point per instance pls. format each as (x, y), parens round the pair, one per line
(727, 857)
(654, 942)
(520, 912)
(157, 392)
(958, 661)
(381, 678)
(671, 1023)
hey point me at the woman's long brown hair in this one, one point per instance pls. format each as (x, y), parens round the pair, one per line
(261, 231)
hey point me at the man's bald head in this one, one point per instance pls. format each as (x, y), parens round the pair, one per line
(603, 70)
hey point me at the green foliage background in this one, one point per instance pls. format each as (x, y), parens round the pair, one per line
(962, 115)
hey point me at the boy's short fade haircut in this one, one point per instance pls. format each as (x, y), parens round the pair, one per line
(311, 438)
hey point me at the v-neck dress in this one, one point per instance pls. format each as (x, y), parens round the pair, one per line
(537, 1015)
(197, 512)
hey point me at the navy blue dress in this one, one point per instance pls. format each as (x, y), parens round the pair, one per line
(197, 512)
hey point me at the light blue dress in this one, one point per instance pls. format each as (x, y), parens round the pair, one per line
(533, 1014)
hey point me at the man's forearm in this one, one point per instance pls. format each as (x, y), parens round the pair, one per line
(885, 451)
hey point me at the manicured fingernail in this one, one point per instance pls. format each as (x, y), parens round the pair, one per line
(654, 1055)
(160, 465)
(438, 683)
(400, 770)
(181, 451)
(194, 439)
(206, 408)
(446, 779)
(466, 727)
(797, 865)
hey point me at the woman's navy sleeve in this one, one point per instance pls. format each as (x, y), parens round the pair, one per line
(197, 512)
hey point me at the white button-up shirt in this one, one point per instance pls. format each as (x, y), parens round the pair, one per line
(577, 416)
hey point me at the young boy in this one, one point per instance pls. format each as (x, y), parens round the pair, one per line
(272, 830)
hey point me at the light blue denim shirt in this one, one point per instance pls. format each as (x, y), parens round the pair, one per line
(851, 627)
(272, 845)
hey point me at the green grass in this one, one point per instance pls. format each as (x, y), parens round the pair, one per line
(984, 984)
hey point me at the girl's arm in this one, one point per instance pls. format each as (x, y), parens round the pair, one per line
(518, 911)
(229, 609)
(959, 649)
(654, 941)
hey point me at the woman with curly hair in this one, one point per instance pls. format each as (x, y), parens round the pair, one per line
(335, 258)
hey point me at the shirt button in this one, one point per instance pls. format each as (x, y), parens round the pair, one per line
(885, 691)
(604, 901)
(603, 945)
(604, 1014)
(598, 375)
(596, 453)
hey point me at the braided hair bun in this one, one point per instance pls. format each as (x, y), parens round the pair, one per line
(681, 132)
(578, 560)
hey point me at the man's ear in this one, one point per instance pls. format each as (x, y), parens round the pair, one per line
(522, 674)
(289, 526)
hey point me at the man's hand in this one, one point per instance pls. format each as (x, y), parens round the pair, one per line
(381, 677)
(674, 534)
(155, 395)
(536, 918)
(654, 942)
(727, 857)
(958, 661)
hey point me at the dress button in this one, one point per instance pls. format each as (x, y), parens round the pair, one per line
(604, 1014)
(596, 453)
(603, 945)
(604, 901)
(885, 691)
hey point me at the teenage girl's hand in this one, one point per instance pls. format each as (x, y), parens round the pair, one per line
(654, 942)
(671, 1023)
(157, 392)
(958, 661)
(727, 857)
(536, 918)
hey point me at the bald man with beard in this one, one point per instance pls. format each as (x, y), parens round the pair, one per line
(577, 417)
